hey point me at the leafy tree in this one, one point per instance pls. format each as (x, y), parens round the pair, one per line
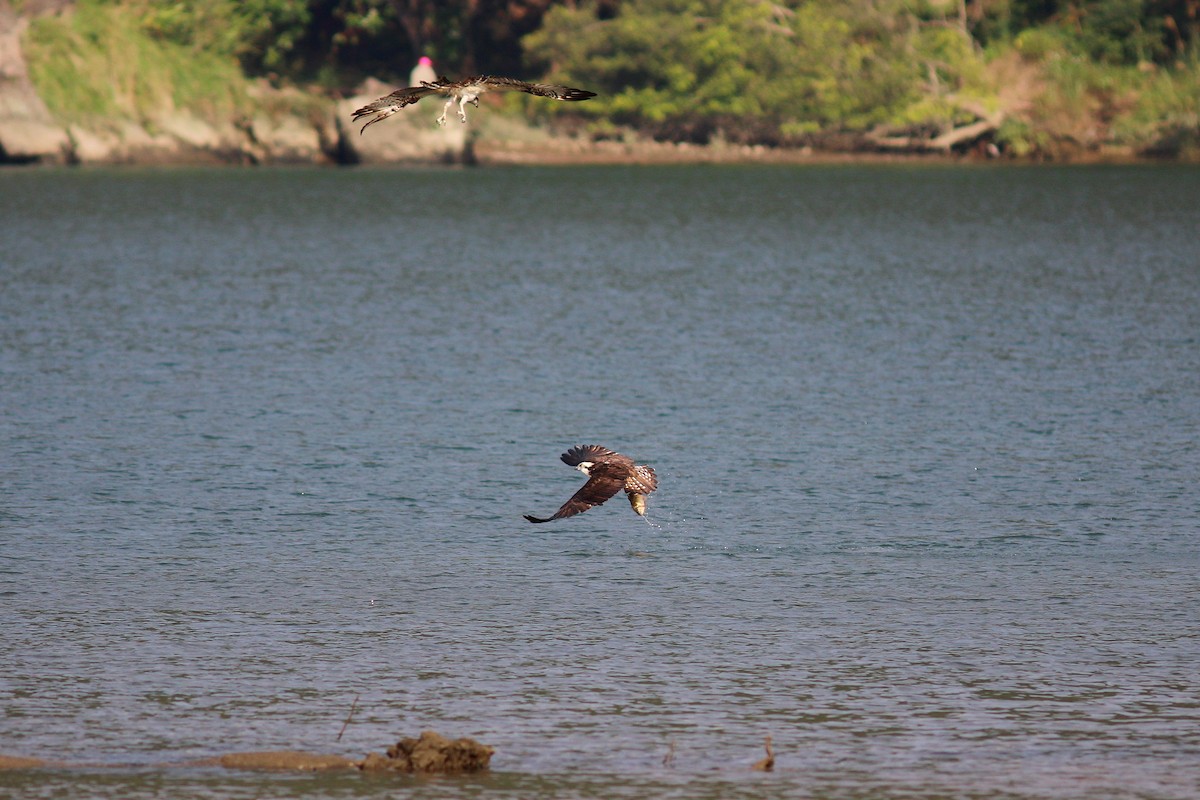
(341, 40)
(1109, 31)
(262, 33)
(750, 71)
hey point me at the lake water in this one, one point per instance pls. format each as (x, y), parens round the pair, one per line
(928, 442)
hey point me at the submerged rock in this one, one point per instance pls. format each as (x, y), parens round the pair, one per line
(431, 752)
(285, 759)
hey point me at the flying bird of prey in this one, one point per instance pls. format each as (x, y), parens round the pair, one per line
(607, 473)
(461, 92)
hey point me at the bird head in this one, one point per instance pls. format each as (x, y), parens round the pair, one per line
(585, 467)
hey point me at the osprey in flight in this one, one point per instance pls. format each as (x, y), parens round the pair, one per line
(461, 92)
(607, 473)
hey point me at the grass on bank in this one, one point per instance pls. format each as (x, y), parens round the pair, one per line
(1082, 103)
(105, 61)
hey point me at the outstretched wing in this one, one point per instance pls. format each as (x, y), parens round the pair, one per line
(384, 107)
(540, 89)
(586, 452)
(598, 489)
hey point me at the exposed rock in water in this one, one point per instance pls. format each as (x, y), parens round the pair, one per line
(431, 753)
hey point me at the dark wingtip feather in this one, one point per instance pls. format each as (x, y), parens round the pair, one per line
(370, 122)
(536, 519)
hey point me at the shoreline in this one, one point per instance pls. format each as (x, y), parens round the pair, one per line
(569, 151)
(324, 135)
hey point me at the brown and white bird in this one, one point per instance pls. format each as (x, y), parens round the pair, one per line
(462, 92)
(607, 473)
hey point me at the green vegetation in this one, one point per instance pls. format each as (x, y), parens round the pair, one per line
(106, 60)
(1142, 104)
(1062, 73)
(760, 71)
(1116, 71)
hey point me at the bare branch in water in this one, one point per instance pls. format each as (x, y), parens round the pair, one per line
(768, 763)
(353, 706)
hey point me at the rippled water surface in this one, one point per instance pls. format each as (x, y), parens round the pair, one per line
(928, 442)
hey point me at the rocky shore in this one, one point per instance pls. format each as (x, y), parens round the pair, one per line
(428, 754)
(324, 134)
(288, 127)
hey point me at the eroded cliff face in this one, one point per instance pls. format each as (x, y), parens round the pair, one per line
(27, 131)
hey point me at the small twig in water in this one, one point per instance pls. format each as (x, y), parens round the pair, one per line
(353, 706)
(768, 763)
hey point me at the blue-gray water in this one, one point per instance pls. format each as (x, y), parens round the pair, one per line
(928, 442)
